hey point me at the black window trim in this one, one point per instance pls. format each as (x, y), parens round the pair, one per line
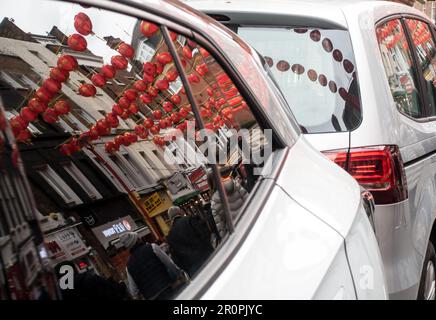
(422, 89)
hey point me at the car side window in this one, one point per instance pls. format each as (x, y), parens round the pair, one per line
(426, 52)
(399, 67)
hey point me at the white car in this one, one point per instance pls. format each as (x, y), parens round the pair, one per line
(359, 77)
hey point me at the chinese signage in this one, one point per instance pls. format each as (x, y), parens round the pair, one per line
(198, 179)
(65, 245)
(112, 230)
(157, 203)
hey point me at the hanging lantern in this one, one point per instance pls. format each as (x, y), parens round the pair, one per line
(173, 36)
(154, 129)
(50, 116)
(141, 131)
(148, 123)
(176, 99)
(187, 53)
(43, 95)
(227, 113)
(124, 103)
(87, 90)
(171, 75)
(191, 43)
(204, 52)
(145, 98)
(216, 119)
(51, 85)
(75, 146)
(116, 109)
(235, 101)
(183, 112)
(119, 140)
(77, 42)
(152, 91)
(159, 68)
(98, 80)
(67, 63)
(112, 120)
(119, 62)
(110, 147)
(140, 85)
(209, 126)
(18, 124)
(133, 108)
(148, 29)
(102, 127)
(66, 149)
(82, 24)
(108, 71)
(149, 68)
(59, 74)
(164, 58)
(181, 127)
(93, 133)
(162, 123)
(126, 50)
(169, 121)
(231, 92)
(131, 137)
(193, 78)
(157, 114)
(23, 136)
(131, 94)
(162, 84)
(37, 105)
(167, 106)
(147, 78)
(175, 117)
(205, 113)
(28, 114)
(62, 107)
(202, 69)
(159, 141)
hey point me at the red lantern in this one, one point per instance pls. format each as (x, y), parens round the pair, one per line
(87, 90)
(227, 113)
(102, 127)
(147, 78)
(140, 85)
(77, 42)
(50, 116)
(191, 43)
(18, 124)
(235, 101)
(59, 74)
(162, 123)
(133, 108)
(173, 36)
(93, 133)
(43, 95)
(154, 130)
(157, 114)
(167, 106)
(67, 63)
(157, 140)
(66, 149)
(82, 24)
(181, 127)
(116, 109)
(209, 92)
(176, 99)
(126, 50)
(110, 147)
(187, 52)
(159, 68)
(148, 29)
(28, 114)
(141, 131)
(119, 62)
(98, 80)
(62, 107)
(205, 113)
(124, 103)
(193, 78)
(152, 91)
(204, 53)
(149, 68)
(145, 98)
(202, 69)
(183, 112)
(131, 137)
(108, 71)
(182, 91)
(112, 120)
(171, 75)
(119, 140)
(162, 84)
(37, 105)
(131, 94)
(209, 126)
(164, 58)
(231, 92)
(175, 117)
(148, 123)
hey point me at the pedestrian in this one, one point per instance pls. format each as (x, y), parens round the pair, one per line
(150, 272)
(189, 240)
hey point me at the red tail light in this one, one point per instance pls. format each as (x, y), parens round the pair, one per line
(379, 169)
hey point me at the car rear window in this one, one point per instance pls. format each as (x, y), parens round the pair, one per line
(315, 69)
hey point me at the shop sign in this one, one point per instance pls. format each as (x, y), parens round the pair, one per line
(198, 179)
(65, 245)
(157, 203)
(112, 230)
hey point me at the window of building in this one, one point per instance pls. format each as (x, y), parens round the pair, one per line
(82, 181)
(398, 63)
(59, 186)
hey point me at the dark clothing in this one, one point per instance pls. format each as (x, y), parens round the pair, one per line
(189, 241)
(89, 286)
(149, 273)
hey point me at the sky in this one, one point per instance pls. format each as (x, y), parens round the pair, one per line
(39, 16)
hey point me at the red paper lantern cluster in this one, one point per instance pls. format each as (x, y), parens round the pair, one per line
(82, 24)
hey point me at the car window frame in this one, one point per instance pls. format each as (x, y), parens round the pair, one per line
(422, 90)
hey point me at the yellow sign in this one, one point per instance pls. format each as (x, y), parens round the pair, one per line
(157, 203)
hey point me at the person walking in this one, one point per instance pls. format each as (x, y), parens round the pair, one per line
(189, 240)
(150, 272)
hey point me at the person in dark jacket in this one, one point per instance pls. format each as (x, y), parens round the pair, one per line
(189, 241)
(150, 272)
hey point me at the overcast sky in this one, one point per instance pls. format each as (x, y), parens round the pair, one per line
(39, 16)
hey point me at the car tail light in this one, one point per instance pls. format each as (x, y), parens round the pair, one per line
(378, 169)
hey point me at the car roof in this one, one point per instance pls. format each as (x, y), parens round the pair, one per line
(320, 13)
